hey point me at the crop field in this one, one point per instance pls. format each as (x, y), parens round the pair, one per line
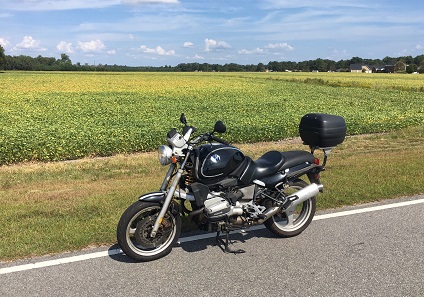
(51, 116)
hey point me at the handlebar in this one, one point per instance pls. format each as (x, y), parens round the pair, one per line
(208, 137)
(219, 140)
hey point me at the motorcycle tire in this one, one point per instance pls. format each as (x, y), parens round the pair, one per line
(134, 228)
(289, 225)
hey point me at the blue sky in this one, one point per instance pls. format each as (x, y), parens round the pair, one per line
(168, 32)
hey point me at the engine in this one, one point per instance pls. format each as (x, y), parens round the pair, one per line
(218, 208)
(236, 203)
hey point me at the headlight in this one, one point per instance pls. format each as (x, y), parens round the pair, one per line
(165, 154)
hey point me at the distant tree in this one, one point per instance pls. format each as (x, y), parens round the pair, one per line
(320, 65)
(64, 58)
(418, 60)
(408, 60)
(389, 60)
(411, 68)
(275, 66)
(2, 58)
(304, 66)
(23, 62)
(356, 60)
(260, 67)
(421, 67)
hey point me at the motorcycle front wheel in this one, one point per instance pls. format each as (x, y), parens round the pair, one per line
(289, 224)
(135, 226)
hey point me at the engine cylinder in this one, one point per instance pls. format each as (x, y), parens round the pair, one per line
(216, 207)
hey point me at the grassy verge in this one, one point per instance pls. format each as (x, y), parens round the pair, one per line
(54, 207)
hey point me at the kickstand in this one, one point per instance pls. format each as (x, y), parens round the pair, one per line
(227, 248)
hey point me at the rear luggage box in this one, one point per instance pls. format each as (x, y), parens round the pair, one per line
(322, 130)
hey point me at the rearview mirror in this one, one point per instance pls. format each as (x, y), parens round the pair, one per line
(219, 127)
(183, 119)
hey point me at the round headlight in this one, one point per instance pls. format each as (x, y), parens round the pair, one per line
(165, 154)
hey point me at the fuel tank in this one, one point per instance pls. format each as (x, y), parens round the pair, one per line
(214, 162)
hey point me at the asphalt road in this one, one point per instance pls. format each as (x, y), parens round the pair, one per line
(376, 253)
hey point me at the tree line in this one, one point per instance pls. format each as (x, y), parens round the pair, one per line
(23, 62)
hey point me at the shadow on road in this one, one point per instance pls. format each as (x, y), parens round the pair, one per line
(236, 239)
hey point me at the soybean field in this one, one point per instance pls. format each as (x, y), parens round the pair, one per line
(52, 116)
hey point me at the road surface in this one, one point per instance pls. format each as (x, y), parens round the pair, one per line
(369, 250)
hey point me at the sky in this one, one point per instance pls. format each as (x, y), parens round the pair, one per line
(169, 32)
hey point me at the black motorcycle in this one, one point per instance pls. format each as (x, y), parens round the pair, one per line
(220, 189)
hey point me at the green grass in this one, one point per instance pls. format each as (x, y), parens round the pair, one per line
(54, 207)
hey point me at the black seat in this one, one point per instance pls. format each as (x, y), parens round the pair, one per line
(293, 158)
(268, 164)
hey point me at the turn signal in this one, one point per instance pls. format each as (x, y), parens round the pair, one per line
(316, 161)
(174, 159)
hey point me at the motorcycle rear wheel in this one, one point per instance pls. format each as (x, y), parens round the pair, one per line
(135, 225)
(285, 224)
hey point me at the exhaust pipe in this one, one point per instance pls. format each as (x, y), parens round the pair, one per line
(293, 200)
(302, 195)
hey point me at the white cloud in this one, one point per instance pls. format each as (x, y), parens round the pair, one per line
(279, 46)
(65, 47)
(271, 48)
(418, 46)
(4, 42)
(111, 52)
(196, 57)
(29, 43)
(130, 36)
(91, 46)
(211, 45)
(247, 52)
(157, 50)
(188, 44)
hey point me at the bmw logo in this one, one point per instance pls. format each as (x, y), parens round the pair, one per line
(215, 158)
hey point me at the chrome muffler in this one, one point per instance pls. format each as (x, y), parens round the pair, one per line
(293, 200)
(302, 195)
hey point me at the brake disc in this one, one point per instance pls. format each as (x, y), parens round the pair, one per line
(144, 228)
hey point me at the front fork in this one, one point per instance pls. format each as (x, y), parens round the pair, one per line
(170, 194)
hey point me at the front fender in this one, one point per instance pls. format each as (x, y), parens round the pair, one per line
(158, 197)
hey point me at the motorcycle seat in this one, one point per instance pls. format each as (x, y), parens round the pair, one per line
(269, 164)
(293, 158)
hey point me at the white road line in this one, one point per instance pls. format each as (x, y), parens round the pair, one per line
(368, 209)
(194, 238)
(59, 261)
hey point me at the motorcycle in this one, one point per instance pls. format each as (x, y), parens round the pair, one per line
(220, 189)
